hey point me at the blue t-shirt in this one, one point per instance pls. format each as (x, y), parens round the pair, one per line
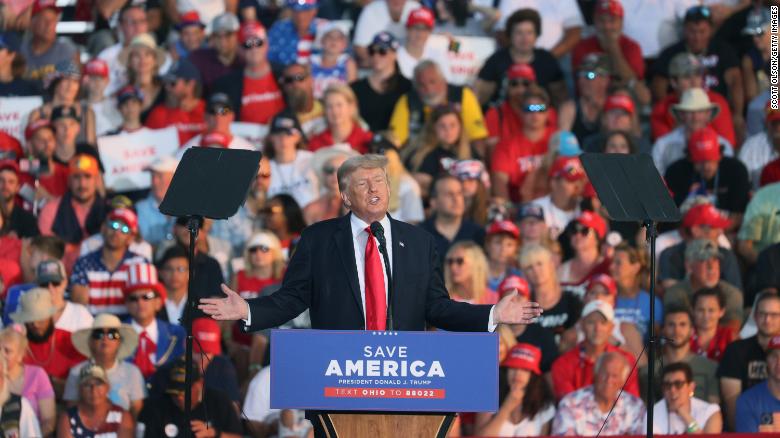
(756, 407)
(637, 310)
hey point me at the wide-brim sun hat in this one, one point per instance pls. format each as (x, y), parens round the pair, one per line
(128, 337)
(695, 99)
(146, 41)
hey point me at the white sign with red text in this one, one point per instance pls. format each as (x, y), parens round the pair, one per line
(465, 56)
(14, 112)
(125, 156)
(253, 132)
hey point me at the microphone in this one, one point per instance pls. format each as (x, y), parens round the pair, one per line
(378, 231)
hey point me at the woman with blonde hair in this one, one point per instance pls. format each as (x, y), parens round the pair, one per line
(405, 197)
(466, 274)
(143, 60)
(443, 136)
(29, 381)
(343, 120)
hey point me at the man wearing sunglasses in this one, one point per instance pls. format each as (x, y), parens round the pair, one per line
(219, 116)
(98, 277)
(159, 342)
(721, 63)
(184, 108)
(253, 89)
(379, 16)
(298, 88)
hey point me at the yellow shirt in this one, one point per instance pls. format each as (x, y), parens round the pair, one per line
(471, 114)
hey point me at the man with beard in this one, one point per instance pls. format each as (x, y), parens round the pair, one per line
(298, 89)
(98, 277)
(52, 176)
(677, 334)
(17, 220)
(49, 348)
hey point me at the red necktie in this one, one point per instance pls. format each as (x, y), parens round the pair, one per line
(142, 357)
(376, 300)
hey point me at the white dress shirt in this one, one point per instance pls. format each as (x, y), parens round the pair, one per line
(151, 332)
(359, 240)
(175, 310)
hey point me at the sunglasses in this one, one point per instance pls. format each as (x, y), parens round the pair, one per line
(50, 283)
(261, 248)
(220, 111)
(581, 230)
(287, 80)
(381, 51)
(455, 260)
(535, 108)
(112, 334)
(329, 169)
(516, 82)
(255, 42)
(149, 296)
(589, 75)
(698, 12)
(119, 226)
(676, 384)
(179, 269)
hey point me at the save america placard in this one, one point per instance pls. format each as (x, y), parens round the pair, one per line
(392, 371)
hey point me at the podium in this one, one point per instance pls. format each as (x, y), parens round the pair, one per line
(378, 384)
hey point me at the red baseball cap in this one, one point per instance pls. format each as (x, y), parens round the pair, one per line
(621, 102)
(512, 282)
(704, 145)
(603, 280)
(125, 215)
(143, 276)
(772, 115)
(593, 220)
(10, 165)
(609, 7)
(521, 71)
(774, 344)
(705, 214)
(503, 227)
(567, 167)
(251, 30)
(422, 16)
(41, 5)
(208, 336)
(215, 138)
(189, 18)
(525, 357)
(96, 67)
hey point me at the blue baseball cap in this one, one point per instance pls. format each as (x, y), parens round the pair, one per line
(183, 69)
(9, 41)
(302, 5)
(568, 146)
(385, 40)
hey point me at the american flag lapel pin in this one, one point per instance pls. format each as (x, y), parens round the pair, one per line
(401, 244)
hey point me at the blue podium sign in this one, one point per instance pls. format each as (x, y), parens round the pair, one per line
(384, 371)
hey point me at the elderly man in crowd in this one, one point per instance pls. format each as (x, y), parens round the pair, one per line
(108, 343)
(584, 411)
(153, 225)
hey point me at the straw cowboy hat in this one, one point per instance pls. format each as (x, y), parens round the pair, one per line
(142, 40)
(695, 99)
(128, 338)
(323, 155)
(34, 305)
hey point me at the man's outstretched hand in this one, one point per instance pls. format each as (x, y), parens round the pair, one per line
(512, 309)
(232, 308)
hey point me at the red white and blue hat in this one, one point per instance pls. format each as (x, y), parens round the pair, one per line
(143, 276)
(302, 5)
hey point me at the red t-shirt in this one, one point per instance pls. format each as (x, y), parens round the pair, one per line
(662, 120)
(261, 99)
(9, 146)
(58, 359)
(358, 139)
(718, 344)
(574, 370)
(503, 122)
(517, 156)
(771, 173)
(248, 287)
(187, 123)
(629, 47)
(56, 183)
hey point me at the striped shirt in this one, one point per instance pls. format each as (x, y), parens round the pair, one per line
(105, 287)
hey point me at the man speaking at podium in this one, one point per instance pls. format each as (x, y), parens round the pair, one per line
(337, 272)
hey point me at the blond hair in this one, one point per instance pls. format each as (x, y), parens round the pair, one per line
(427, 141)
(346, 92)
(531, 253)
(277, 265)
(479, 270)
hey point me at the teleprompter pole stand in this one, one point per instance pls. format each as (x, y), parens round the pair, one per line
(208, 183)
(631, 190)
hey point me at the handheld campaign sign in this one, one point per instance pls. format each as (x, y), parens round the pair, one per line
(384, 371)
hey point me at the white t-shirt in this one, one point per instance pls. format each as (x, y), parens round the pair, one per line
(74, 317)
(529, 426)
(410, 208)
(297, 179)
(107, 116)
(755, 153)
(375, 18)
(435, 50)
(557, 16)
(555, 218)
(653, 24)
(257, 403)
(28, 422)
(672, 424)
(175, 311)
(672, 146)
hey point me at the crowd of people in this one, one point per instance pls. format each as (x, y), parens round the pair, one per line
(94, 279)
